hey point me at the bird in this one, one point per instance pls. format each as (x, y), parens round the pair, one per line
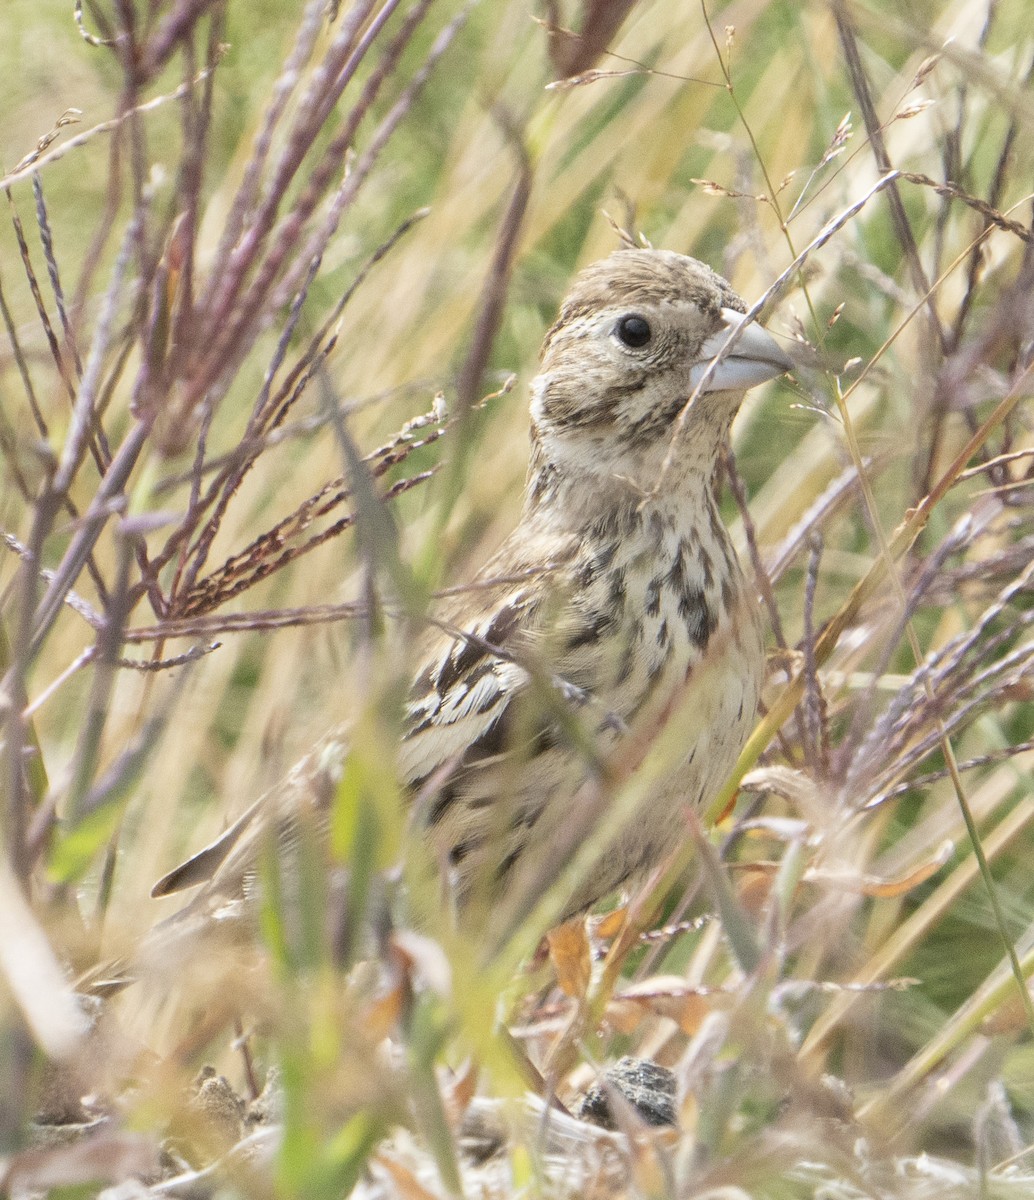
(616, 605)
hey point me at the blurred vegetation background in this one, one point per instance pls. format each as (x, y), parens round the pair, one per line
(889, 485)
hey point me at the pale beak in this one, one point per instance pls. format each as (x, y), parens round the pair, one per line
(754, 357)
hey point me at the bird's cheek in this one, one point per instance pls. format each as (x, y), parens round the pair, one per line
(558, 402)
(539, 388)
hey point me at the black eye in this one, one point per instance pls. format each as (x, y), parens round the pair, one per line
(634, 330)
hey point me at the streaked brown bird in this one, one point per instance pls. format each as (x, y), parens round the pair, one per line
(630, 612)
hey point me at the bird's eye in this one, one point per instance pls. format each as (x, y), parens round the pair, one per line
(634, 330)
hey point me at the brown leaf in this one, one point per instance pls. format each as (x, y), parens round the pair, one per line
(670, 996)
(406, 1183)
(611, 924)
(625, 1016)
(381, 1016)
(873, 885)
(462, 1088)
(571, 956)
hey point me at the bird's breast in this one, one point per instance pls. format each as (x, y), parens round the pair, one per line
(659, 600)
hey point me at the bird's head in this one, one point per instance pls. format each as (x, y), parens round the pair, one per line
(634, 339)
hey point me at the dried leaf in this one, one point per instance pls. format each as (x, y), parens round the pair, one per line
(669, 996)
(381, 1017)
(406, 1183)
(462, 1088)
(625, 1016)
(871, 885)
(611, 924)
(571, 956)
(754, 886)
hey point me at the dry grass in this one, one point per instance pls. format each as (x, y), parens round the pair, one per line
(230, 495)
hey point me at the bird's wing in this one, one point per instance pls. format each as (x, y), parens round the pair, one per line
(455, 717)
(494, 645)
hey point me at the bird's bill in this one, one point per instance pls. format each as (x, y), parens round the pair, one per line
(754, 357)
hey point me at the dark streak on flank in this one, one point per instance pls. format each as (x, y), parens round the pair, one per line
(590, 633)
(700, 619)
